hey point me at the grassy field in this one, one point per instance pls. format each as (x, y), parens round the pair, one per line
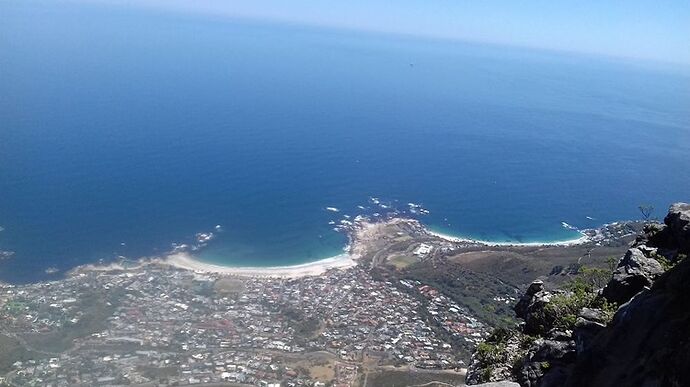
(229, 286)
(319, 365)
(401, 261)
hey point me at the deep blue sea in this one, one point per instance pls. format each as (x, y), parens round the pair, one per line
(123, 131)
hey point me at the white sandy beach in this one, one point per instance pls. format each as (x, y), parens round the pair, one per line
(365, 231)
(186, 261)
(450, 238)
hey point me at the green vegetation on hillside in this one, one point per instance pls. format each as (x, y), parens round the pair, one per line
(581, 292)
(473, 290)
(12, 351)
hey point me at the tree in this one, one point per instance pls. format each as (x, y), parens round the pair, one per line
(646, 211)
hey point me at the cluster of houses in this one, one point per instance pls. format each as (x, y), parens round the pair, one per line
(164, 325)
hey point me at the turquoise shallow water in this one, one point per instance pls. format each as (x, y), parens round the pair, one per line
(124, 131)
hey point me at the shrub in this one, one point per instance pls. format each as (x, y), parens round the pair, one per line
(503, 350)
(608, 308)
(561, 312)
(526, 341)
(490, 353)
(590, 279)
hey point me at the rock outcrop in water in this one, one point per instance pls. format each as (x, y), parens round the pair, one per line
(573, 338)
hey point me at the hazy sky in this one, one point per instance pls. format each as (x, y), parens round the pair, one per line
(657, 30)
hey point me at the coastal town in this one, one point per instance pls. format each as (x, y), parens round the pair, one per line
(176, 326)
(155, 323)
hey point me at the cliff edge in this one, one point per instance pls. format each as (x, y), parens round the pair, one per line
(632, 331)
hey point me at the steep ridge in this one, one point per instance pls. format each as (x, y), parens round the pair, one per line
(631, 332)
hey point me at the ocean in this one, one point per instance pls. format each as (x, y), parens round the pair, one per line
(123, 131)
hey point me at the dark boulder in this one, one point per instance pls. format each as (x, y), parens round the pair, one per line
(589, 323)
(655, 234)
(531, 308)
(678, 222)
(634, 273)
(547, 363)
(527, 299)
(671, 238)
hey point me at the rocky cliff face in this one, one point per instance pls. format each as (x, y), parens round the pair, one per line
(648, 341)
(573, 338)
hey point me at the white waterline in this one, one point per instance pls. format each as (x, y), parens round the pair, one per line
(186, 261)
(570, 242)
